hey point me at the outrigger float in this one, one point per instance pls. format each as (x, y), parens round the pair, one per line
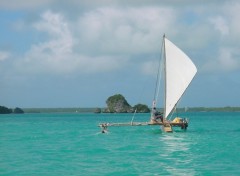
(178, 72)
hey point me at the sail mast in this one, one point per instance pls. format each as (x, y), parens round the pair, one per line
(164, 77)
(159, 76)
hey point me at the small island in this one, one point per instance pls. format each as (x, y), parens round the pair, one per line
(18, 110)
(118, 104)
(5, 110)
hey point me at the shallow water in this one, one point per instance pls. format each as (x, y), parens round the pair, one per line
(71, 144)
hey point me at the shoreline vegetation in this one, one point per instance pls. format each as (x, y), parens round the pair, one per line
(102, 110)
(93, 110)
(115, 104)
(5, 110)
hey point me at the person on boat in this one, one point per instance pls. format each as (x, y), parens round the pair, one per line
(157, 115)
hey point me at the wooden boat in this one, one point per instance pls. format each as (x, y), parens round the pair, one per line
(178, 72)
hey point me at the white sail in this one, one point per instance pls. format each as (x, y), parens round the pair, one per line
(179, 72)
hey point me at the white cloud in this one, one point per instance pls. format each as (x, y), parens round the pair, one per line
(50, 54)
(105, 42)
(220, 25)
(54, 24)
(150, 68)
(4, 55)
(110, 35)
(129, 30)
(226, 60)
(225, 39)
(56, 54)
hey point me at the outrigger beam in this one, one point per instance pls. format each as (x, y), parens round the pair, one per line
(166, 126)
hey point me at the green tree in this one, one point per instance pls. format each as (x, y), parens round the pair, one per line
(5, 110)
(18, 111)
(141, 108)
(118, 103)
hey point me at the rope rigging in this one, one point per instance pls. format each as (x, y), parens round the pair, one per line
(158, 79)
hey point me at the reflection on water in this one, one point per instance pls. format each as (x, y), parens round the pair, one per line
(174, 143)
(176, 149)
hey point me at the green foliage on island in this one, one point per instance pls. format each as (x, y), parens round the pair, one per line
(5, 110)
(18, 111)
(118, 104)
(141, 108)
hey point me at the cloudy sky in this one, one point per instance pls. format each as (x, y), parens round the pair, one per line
(77, 53)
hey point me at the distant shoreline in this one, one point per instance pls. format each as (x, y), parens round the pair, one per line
(92, 110)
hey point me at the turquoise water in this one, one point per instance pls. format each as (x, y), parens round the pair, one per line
(71, 144)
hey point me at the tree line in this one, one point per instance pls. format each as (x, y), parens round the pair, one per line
(5, 110)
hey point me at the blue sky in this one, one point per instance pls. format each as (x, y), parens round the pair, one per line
(78, 53)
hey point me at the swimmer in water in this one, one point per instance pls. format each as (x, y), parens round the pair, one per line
(104, 128)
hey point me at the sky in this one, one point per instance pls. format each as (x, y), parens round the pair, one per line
(77, 53)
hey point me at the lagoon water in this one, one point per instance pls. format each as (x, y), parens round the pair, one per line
(71, 144)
